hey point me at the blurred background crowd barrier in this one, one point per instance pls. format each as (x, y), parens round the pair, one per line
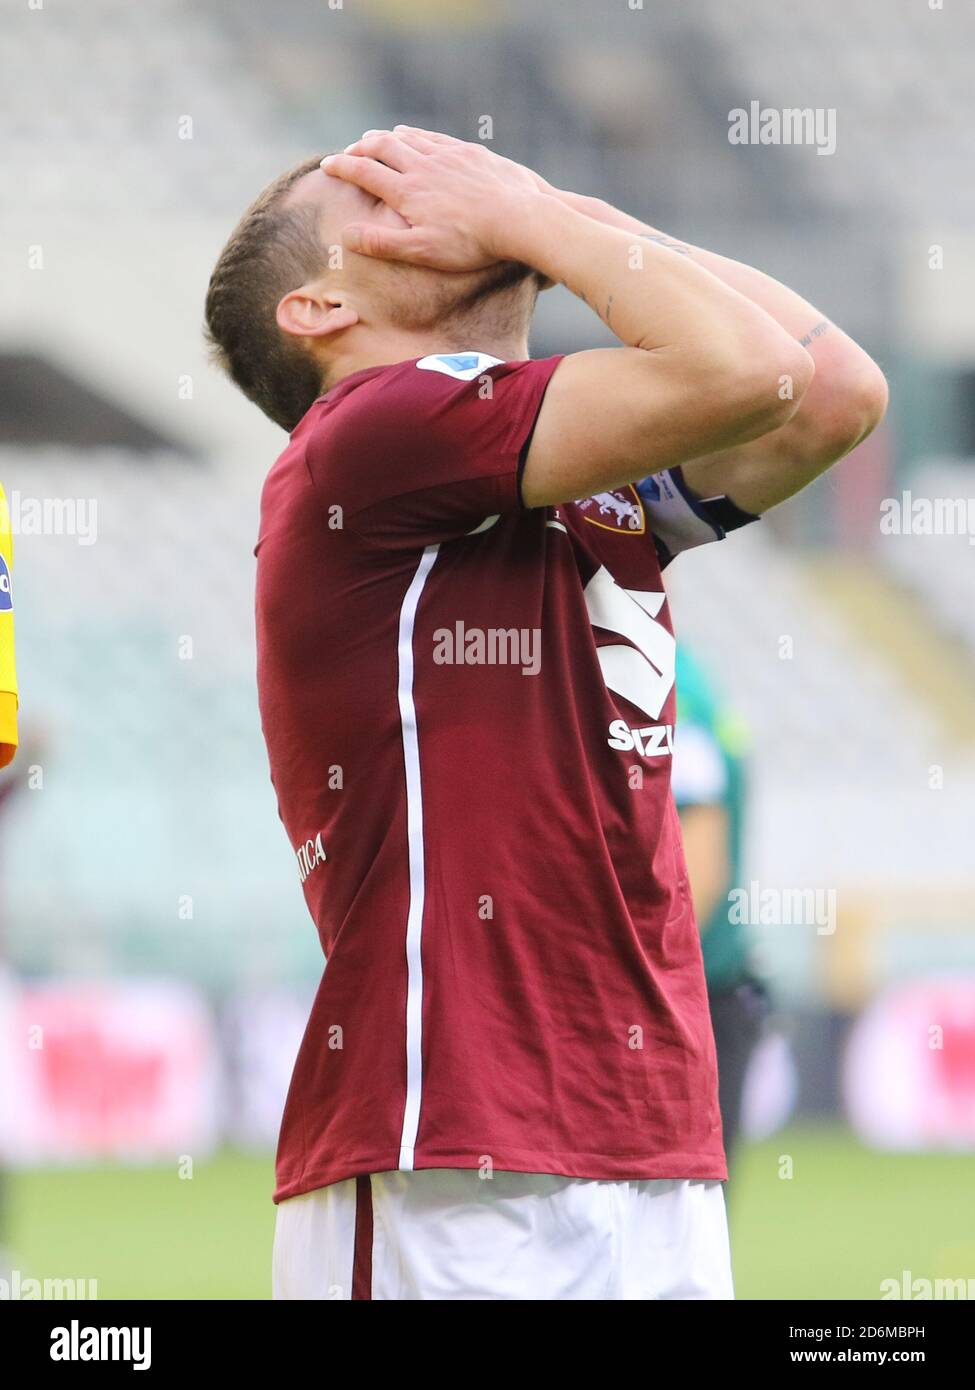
(152, 922)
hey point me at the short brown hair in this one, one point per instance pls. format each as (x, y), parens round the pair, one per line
(273, 249)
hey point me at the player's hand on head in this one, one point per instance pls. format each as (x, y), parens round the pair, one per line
(426, 140)
(429, 139)
(457, 198)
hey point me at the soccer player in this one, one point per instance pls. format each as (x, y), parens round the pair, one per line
(708, 779)
(507, 1086)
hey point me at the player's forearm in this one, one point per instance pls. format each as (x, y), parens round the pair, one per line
(662, 303)
(848, 394)
(845, 402)
(843, 405)
(789, 309)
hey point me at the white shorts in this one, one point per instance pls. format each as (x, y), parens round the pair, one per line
(447, 1233)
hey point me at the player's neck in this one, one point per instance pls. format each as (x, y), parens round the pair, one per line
(404, 346)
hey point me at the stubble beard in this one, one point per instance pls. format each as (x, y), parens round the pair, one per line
(501, 297)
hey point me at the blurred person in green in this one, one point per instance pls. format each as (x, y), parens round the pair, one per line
(709, 784)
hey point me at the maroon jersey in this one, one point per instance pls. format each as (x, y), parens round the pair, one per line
(468, 708)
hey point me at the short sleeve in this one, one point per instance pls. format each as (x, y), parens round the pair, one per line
(680, 520)
(427, 451)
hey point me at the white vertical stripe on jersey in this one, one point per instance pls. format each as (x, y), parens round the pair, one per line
(414, 838)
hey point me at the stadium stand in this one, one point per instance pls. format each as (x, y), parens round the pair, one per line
(132, 171)
(939, 565)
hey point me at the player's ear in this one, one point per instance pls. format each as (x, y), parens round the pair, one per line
(314, 312)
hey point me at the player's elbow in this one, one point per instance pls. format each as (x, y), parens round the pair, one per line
(851, 405)
(863, 399)
(762, 392)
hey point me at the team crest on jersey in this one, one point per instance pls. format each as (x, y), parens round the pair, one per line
(6, 593)
(619, 510)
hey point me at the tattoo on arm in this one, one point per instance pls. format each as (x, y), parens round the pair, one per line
(816, 332)
(680, 247)
(605, 314)
(578, 294)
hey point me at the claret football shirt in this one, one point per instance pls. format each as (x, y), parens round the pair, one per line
(468, 707)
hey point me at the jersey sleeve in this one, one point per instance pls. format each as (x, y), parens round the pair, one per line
(8, 674)
(680, 520)
(428, 451)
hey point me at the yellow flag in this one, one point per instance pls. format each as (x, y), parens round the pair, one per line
(8, 672)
